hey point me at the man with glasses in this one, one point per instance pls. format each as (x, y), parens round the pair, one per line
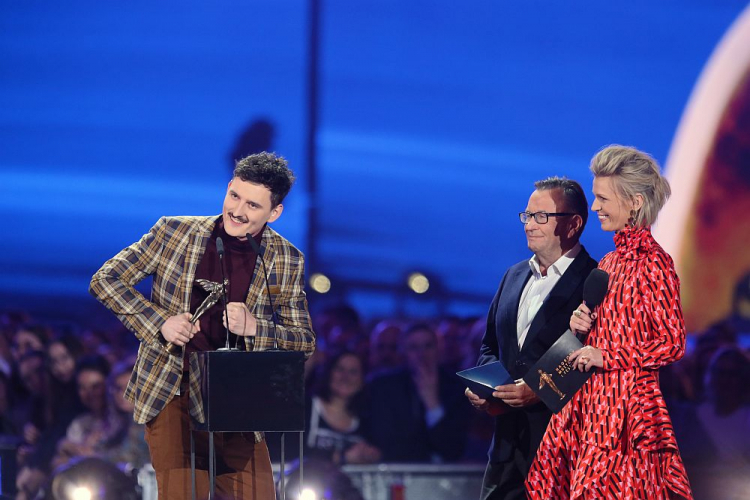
(530, 311)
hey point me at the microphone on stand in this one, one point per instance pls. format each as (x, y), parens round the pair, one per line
(220, 251)
(274, 318)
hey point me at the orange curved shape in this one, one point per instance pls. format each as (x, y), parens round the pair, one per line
(706, 225)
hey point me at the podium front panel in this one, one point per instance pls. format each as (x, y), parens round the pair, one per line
(251, 391)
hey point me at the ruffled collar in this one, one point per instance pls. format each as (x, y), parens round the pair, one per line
(634, 243)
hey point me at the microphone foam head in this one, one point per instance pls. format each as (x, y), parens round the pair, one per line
(220, 246)
(595, 288)
(253, 243)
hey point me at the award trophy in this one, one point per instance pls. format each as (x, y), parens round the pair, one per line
(215, 292)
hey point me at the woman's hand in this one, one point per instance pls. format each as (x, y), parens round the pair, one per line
(582, 319)
(586, 358)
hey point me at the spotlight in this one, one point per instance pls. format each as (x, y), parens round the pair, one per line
(320, 283)
(93, 479)
(80, 493)
(308, 494)
(418, 282)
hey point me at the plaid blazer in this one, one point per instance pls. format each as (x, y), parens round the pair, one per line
(170, 252)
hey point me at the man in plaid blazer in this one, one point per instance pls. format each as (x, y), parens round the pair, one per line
(176, 252)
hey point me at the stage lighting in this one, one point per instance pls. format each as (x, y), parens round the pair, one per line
(320, 283)
(80, 493)
(93, 479)
(418, 282)
(308, 494)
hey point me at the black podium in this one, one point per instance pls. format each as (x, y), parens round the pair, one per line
(244, 391)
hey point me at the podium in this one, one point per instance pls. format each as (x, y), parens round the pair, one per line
(241, 391)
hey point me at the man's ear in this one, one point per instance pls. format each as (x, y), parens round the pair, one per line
(576, 223)
(276, 212)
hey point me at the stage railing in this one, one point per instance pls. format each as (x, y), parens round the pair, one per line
(386, 481)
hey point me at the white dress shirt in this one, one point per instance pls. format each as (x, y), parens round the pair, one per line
(538, 288)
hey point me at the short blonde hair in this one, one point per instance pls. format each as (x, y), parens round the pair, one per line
(633, 172)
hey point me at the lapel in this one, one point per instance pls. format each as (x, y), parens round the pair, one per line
(258, 284)
(509, 318)
(559, 296)
(196, 247)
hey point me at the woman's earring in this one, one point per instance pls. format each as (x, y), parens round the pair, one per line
(631, 220)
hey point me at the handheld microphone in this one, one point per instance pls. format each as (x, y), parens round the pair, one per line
(274, 318)
(594, 289)
(220, 251)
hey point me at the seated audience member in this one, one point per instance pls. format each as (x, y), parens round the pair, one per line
(739, 318)
(481, 424)
(35, 380)
(90, 432)
(127, 447)
(7, 425)
(25, 339)
(717, 336)
(51, 409)
(384, 349)
(452, 345)
(10, 321)
(58, 406)
(28, 338)
(725, 413)
(474, 342)
(336, 325)
(62, 354)
(333, 425)
(714, 437)
(418, 413)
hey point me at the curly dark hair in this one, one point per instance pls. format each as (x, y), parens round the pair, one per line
(268, 170)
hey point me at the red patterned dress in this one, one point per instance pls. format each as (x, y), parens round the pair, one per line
(615, 439)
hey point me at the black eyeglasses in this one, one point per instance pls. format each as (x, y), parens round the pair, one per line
(540, 217)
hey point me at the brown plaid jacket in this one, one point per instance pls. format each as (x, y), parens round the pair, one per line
(170, 252)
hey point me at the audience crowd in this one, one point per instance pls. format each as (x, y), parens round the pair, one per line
(385, 392)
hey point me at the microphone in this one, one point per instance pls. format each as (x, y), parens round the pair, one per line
(220, 251)
(594, 289)
(274, 318)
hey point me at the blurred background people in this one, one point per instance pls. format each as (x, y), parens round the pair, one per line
(417, 413)
(333, 422)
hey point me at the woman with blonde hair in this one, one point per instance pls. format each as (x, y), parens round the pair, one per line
(615, 437)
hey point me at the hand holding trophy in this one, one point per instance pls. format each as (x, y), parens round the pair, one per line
(215, 292)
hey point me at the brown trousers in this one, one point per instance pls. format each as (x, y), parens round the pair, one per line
(243, 467)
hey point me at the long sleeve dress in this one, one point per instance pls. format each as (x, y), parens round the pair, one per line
(615, 437)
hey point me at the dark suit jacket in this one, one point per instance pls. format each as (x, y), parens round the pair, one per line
(393, 419)
(522, 429)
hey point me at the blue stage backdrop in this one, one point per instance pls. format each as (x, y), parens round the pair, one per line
(434, 120)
